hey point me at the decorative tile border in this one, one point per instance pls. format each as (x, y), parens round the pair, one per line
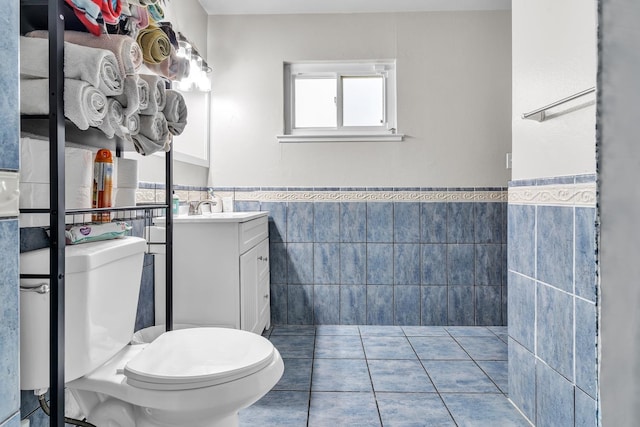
(581, 194)
(151, 192)
(387, 195)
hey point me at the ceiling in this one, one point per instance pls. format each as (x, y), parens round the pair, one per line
(266, 7)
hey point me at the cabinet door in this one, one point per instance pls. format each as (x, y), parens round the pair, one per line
(264, 286)
(254, 288)
(249, 290)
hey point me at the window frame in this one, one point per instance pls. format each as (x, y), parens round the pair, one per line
(339, 70)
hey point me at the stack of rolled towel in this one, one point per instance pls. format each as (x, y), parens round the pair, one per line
(103, 86)
(102, 89)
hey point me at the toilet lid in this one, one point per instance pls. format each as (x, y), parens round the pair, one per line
(198, 357)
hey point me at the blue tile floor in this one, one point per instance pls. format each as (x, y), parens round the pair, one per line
(388, 376)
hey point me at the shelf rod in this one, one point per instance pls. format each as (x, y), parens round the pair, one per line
(55, 21)
(539, 114)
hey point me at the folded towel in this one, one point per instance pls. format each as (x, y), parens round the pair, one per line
(155, 44)
(154, 134)
(84, 105)
(111, 10)
(127, 51)
(173, 68)
(176, 112)
(130, 98)
(88, 12)
(96, 66)
(168, 30)
(157, 94)
(113, 123)
(137, 20)
(156, 13)
(143, 3)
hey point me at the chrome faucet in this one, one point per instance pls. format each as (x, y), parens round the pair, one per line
(198, 206)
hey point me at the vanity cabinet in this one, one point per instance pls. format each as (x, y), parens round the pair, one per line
(220, 271)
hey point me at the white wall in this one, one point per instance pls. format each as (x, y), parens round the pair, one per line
(188, 17)
(618, 164)
(454, 99)
(554, 56)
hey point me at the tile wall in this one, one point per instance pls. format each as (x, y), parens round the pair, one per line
(382, 256)
(9, 234)
(552, 300)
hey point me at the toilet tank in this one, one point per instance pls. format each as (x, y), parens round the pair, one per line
(102, 283)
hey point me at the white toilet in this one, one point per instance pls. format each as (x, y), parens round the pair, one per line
(199, 377)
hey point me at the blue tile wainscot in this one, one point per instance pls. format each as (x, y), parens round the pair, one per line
(552, 300)
(384, 256)
(9, 233)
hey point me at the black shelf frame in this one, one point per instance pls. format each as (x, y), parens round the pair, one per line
(59, 130)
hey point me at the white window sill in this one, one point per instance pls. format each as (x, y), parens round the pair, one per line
(341, 138)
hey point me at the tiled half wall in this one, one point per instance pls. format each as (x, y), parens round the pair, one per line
(552, 300)
(382, 256)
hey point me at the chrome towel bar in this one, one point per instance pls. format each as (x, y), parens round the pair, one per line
(539, 114)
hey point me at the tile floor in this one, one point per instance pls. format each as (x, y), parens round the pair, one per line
(388, 376)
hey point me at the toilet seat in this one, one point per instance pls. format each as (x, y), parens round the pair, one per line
(200, 357)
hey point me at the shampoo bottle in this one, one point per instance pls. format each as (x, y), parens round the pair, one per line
(102, 184)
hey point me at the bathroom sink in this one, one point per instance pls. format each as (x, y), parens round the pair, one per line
(215, 217)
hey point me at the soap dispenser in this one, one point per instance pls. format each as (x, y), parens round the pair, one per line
(217, 207)
(175, 204)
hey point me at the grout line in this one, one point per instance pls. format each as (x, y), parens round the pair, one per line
(313, 360)
(373, 390)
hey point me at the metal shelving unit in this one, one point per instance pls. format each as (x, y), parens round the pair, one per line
(58, 130)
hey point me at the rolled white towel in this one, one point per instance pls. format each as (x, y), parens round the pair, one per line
(157, 94)
(133, 124)
(125, 48)
(154, 134)
(130, 98)
(98, 67)
(84, 105)
(175, 111)
(143, 94)
(113, 123)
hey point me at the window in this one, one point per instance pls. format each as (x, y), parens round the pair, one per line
(331, 101)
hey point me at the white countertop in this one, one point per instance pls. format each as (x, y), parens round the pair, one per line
(214, 217)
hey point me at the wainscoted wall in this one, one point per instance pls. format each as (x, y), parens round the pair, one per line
(383, 256)
(552, 300)
(9, 255)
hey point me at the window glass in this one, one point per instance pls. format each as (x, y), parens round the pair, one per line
(363, 101)
(315, 102)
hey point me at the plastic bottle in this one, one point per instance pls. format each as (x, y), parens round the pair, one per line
(175, 204)
(102, 184)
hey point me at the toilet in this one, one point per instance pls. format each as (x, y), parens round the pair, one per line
(197, 377)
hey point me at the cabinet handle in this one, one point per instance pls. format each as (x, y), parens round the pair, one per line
(266, 296)
(261, 258)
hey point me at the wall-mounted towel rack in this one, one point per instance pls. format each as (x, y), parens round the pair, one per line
(540, 114)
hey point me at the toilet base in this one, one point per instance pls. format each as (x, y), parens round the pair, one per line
(146, 417)
(117, 413)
